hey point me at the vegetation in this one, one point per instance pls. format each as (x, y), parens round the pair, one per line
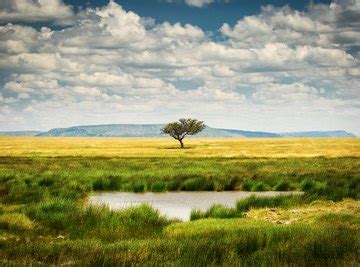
(164, 148)
(216, 211)
(24, 179)
(178, 130)
(251, 202)
(44, 216)
(283, 201)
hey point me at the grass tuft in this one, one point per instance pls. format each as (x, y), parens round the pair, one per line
(216, 211)
(158, 187)
(283, 201)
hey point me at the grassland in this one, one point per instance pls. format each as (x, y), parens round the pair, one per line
(44, 217)
(166, 147)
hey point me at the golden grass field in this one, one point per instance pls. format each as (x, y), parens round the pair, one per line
(167, 147)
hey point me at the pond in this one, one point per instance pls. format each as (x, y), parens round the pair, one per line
(175, 205)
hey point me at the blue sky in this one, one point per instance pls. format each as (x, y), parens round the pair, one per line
(257, 65)
(209, 18)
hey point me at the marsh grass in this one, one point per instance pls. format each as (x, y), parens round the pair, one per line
(283, 201)
(16, 222)
(26, 180)
(207, 241)
(216, 211)
(284, 186)
(251, 202)
(158, 187)
(65, 216)
(44, 217)
(260, 186)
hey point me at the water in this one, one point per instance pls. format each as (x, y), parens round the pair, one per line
(175, 205)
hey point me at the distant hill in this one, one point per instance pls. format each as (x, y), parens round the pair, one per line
(122, 130)
(20, 133)
(154, 130)
(144, 130)
(319, 134)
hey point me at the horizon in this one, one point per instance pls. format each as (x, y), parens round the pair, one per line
(271, 66)
(220, 128)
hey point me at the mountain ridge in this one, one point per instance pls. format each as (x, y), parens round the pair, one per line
(154, 130)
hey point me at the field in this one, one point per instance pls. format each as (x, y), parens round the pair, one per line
(166, 147)
(44, 217)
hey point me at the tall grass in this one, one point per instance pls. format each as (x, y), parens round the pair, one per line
(44, 220)
(216, 211)
(24, 180)
(220, 242)
(283, 201)
(251, 202)
(65, 216)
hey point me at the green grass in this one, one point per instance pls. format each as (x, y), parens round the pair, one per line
(216, 211)
(251, 202)
(284, 201)
(45, 219)
(32, 179)
(210, 241)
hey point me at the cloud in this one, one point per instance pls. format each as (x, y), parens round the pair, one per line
(322, 25)
(198, 3)
(282, 94)
(112, 65)
(177, 31)
(36, 10)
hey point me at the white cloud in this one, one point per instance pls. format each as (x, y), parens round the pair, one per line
(33, 62)
(198, 3)
(88, 91)
(283, 94)
(36, 10)
(122, 25)
(17, 87)
(17, 39)
(192, 3)
(116, 65)
(322, 25)
(177, 31)
(223, 71)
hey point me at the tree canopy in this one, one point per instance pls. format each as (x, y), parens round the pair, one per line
(178, 130)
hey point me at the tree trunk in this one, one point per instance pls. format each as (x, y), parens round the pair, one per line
(181, 143)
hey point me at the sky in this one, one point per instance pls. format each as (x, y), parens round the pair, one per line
(278, 66)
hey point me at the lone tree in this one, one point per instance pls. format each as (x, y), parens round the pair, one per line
(178, 130)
